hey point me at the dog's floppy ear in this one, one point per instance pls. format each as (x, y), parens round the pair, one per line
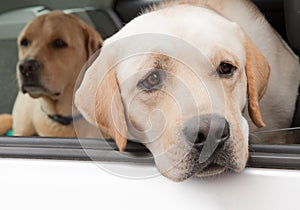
(109, 110)
(93, 40)
(98, 99)
(258, 73)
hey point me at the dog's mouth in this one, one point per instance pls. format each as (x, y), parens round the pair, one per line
(36, 91)
(221, 161)
(191, 165)
(209, 169)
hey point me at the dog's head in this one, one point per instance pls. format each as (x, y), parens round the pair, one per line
(181, 91)
(52, 50)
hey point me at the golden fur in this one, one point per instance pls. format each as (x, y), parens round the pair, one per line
(59, 71)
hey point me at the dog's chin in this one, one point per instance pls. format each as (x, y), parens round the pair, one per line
(211, 170)
(190, 167)
(37, 91)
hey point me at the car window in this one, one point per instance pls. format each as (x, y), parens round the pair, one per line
(108, 17)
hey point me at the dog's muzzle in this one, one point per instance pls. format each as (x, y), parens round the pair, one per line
(205, 149)
(206, 135)
(29, 71)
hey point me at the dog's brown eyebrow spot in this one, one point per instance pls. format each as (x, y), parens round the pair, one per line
(161, 61)
(224, 55)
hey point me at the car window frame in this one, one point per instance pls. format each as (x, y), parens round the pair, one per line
(260, 155)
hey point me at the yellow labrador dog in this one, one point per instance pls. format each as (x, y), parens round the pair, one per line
(53, 49)
(189, 79)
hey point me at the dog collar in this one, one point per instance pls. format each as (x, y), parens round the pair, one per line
(62, 119)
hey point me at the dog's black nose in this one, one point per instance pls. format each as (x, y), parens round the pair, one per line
(204, 128)
(29, 67)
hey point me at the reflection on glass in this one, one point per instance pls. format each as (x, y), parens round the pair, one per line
(279, 136)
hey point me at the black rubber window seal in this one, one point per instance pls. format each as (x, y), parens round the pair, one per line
(260, 156)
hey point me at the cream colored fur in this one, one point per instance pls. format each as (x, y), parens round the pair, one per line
(200, 35)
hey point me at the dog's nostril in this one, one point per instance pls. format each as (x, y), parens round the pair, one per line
(226, 132)
(200, 138)
(21, 68)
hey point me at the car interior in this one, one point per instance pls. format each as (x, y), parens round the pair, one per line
(107, 17)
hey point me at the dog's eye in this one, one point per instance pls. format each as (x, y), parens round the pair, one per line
(225, 69)
(59, 43)
(152, 82)
(24, 42)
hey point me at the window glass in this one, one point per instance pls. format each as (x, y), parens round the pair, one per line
(14, 15)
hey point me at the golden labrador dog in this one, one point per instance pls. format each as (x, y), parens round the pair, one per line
(189, 79)
(53, 49)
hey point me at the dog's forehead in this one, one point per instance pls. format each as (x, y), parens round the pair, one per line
(214, 33)
(53, 24)
(183, 21)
